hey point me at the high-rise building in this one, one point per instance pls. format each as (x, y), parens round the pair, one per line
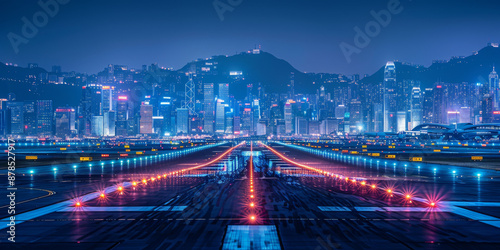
(439, 104)
(122, 108)
(494, 87)
(487, 109)
(15, 116)
(182, 120)
(109, 123)
(146, 120)
(288, 119)
(416, 107)
(428, 105)
(44, 117)
(65, 121)
(107, 100)
(30, 118)
(165, 110)
(90, 106)
(390, 98)
(224, 92)
(301, 126)
(97, 125)
(208, 108)
(229, 126)
(220, 117)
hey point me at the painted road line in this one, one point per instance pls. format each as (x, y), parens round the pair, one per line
(124, 209)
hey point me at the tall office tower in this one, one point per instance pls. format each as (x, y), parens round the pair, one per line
(493, 77)
(301, 126)
(15, 116)
(44, 115)
(109, 123)
(291, 86)
(97, 125)
(29, 115)
(355, 122)
(246, 120)
(65, 121)
(146, 120)
(165, 110)
(378, 117)
(90, 106)
(208, 108)
(495, 89)
(428, 105)
(107, 110)
(220, 117)
(288, 119)
(237, 125)
(107, 100)
(224, 92)
(439, 104)
(487, 108)
(390, 98)
(465, 115)
(255, 115)
(416, 110)
(182, 120)
(121, 116)
(229, 126)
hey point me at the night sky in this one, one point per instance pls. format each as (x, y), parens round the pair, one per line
(87, 35)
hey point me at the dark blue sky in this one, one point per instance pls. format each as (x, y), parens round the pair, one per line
(87, 35)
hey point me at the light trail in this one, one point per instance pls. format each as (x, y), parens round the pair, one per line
(353, 180)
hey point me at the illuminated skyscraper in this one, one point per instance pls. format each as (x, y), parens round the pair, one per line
(15, 116)
(495, 89)
(146, 121)
(416, 111)
(44, 115)
(182, 120)
(288, 119)
(208, 108)
(220, 117)
(65, 121)
(30, 118)
(390, 98)
(121, 116)
(224, 92)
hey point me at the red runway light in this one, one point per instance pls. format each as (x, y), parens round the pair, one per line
(78, 204)
(363, 183)
(134, 183)
(102, 195)
(433, 204)
(389, 191)
(252, 205)
(120, 188)
(408, 196)
(252, 217)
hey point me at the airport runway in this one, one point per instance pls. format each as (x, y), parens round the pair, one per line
(292, 208)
